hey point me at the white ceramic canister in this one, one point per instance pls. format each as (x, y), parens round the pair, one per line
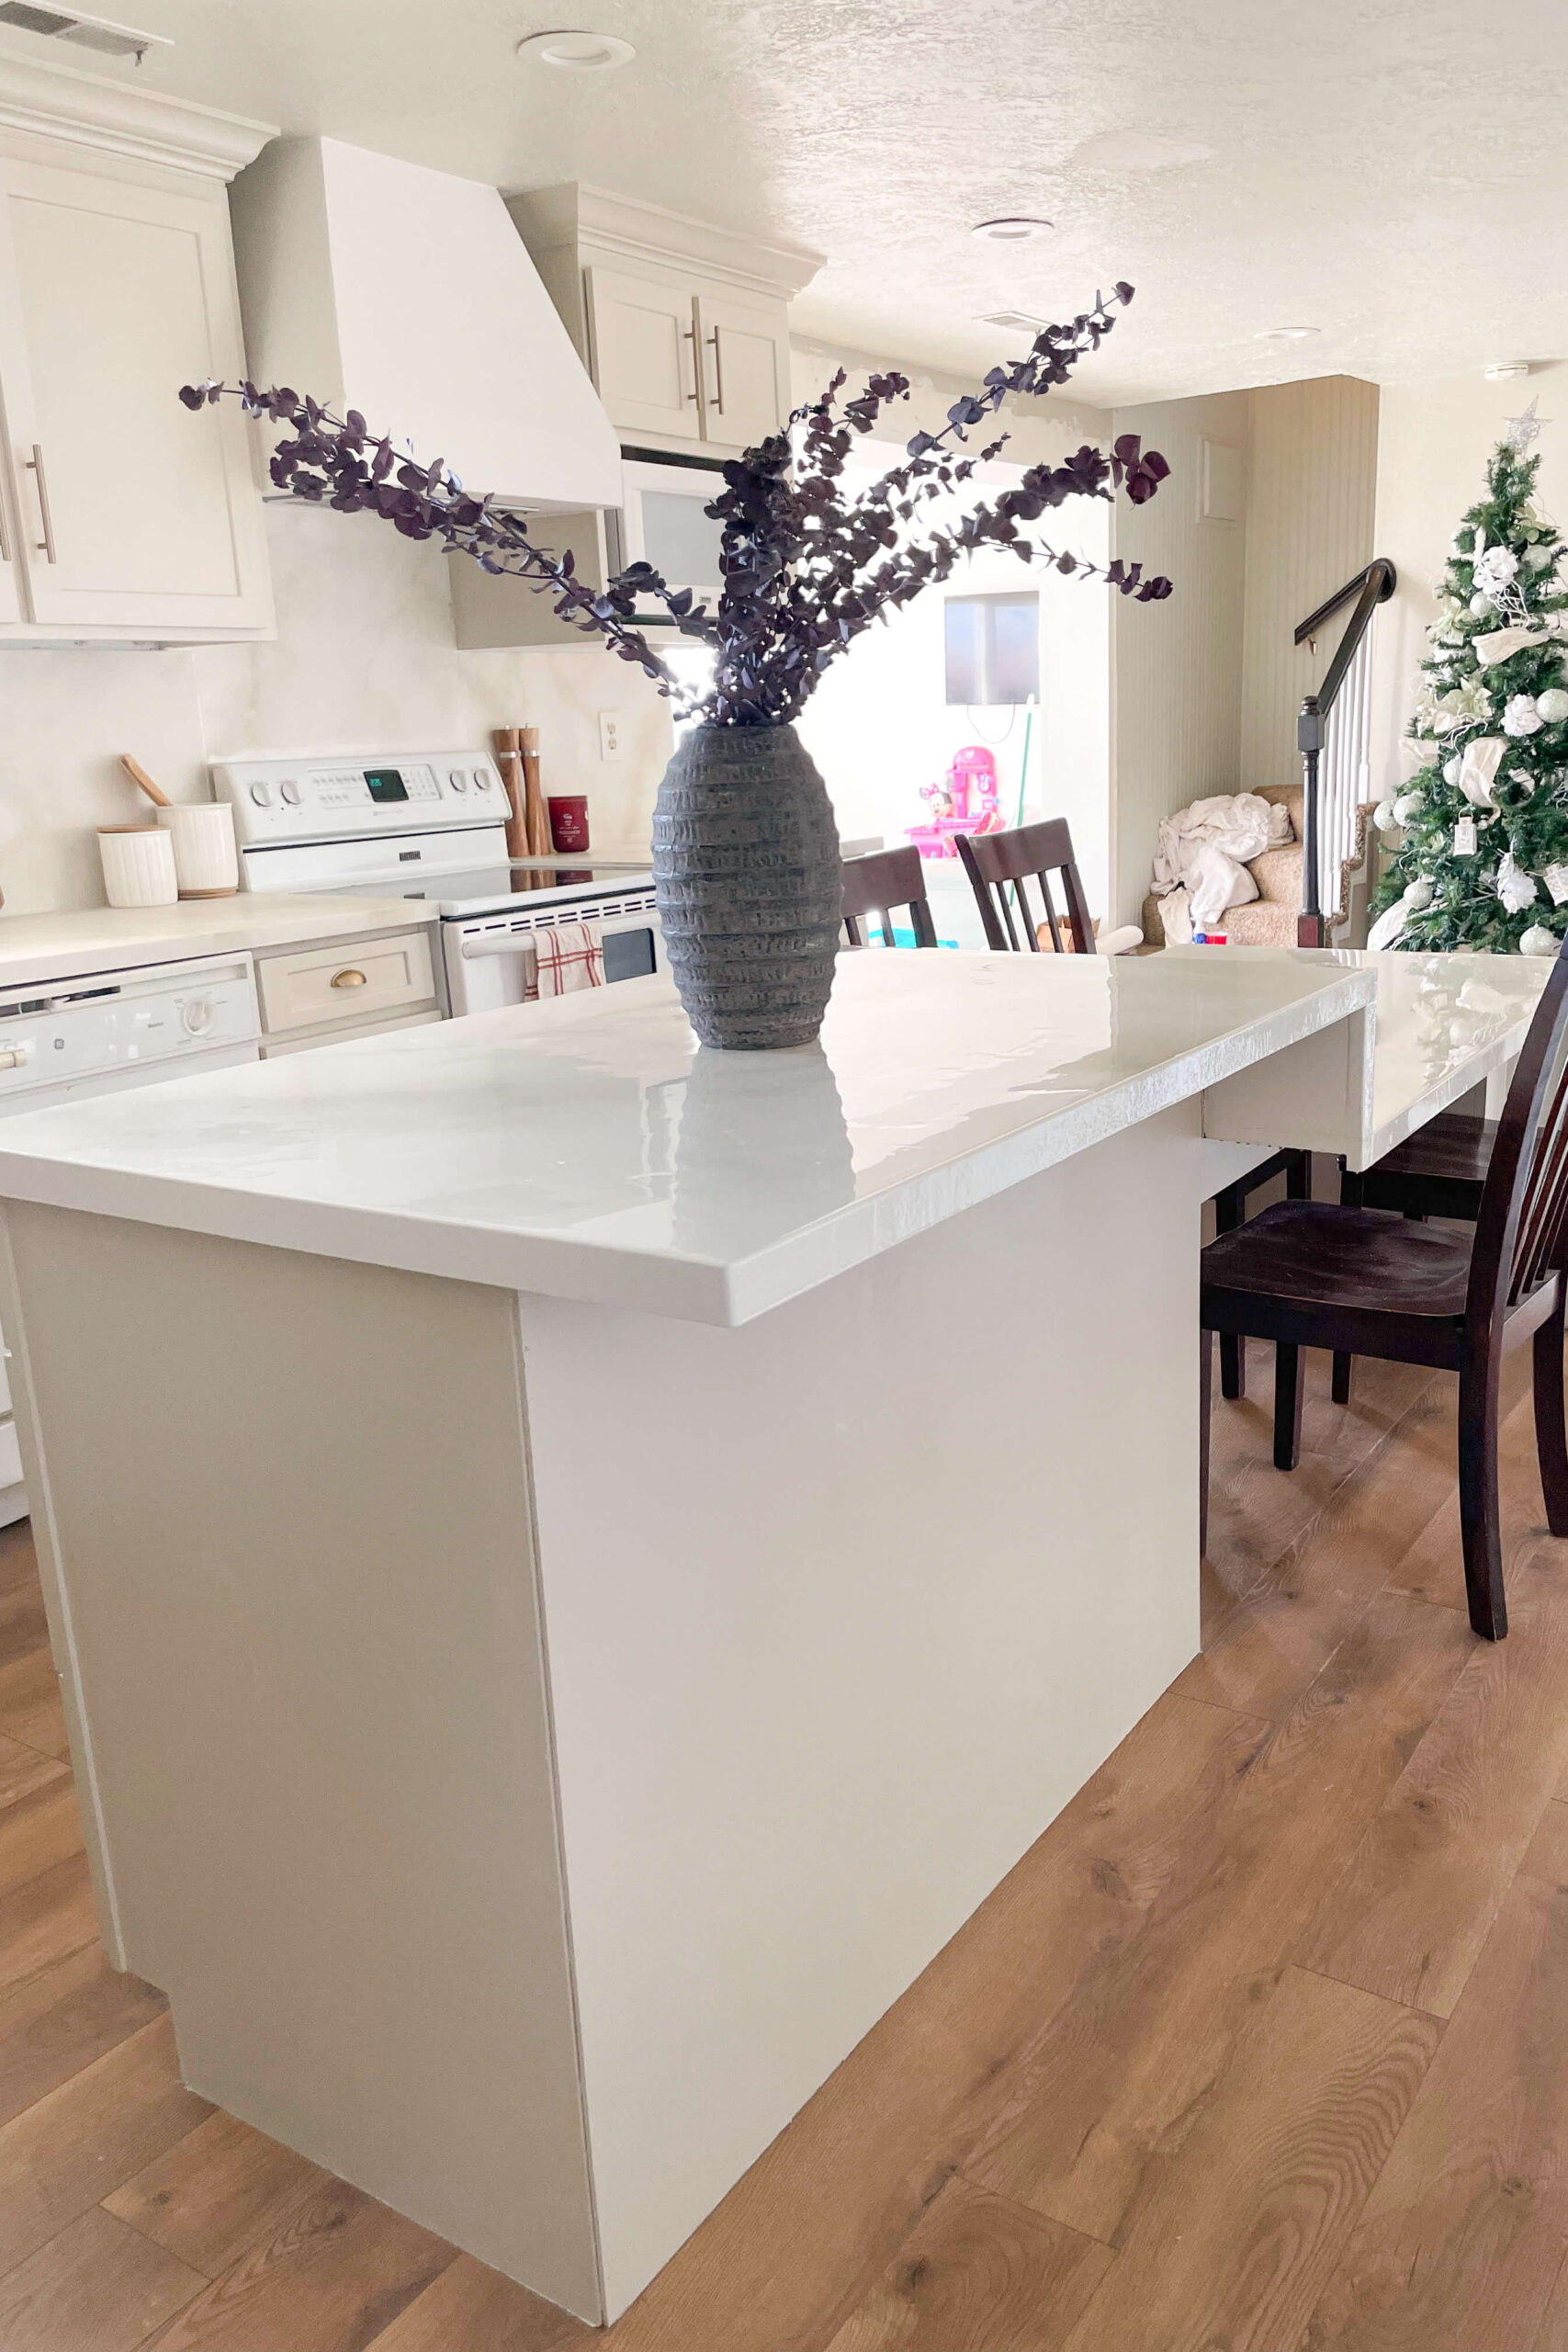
(139, 866)
(206, 864)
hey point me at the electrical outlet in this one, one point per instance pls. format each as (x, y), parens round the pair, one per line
(609, 734)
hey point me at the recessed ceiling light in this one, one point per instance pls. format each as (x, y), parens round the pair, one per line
(577, 52)
(1021, 321)
(1015, 230)
(1288, 334)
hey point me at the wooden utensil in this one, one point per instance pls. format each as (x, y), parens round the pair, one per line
(505, 741)
(139, 774)
(538, 815)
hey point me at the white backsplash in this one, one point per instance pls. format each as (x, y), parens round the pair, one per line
(365, 659)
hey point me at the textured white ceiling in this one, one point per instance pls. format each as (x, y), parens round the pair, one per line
(1394, 172)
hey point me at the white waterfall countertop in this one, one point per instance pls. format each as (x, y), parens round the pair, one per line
(589, 1149)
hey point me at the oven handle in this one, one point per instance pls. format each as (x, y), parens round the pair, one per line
(505, 943)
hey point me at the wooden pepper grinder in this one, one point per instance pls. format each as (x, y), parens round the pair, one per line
(538, 815)
(505, 741)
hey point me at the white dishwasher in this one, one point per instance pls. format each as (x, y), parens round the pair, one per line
(99, 1031)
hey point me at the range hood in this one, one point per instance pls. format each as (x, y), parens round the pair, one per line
(408, 295)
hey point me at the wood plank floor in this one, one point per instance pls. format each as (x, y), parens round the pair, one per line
(1262, 2047)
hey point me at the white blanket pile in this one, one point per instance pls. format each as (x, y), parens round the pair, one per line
(1204, 851)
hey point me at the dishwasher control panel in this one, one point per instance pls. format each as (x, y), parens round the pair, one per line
(100, 1023)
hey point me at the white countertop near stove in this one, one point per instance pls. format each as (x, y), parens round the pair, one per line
(587, 1148)
(113, 939)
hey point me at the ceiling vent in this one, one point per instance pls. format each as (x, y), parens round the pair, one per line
(1013, 322)
(87, 32)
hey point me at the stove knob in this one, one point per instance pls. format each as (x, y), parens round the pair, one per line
(457, 780)
(481, 779)
(291, 792)
(262, 794)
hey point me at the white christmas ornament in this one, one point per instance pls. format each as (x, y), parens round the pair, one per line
(1478, 768)
(1408, 805)
(1450, 770)
(1515, 887)
(1541, 559)
(1481, 606)
(1552, 706)
(1521, 716)
(1419, 893)
(1496, 570)
(1538, 941)
(1384, 817)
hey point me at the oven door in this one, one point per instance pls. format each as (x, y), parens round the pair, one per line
(494, 960)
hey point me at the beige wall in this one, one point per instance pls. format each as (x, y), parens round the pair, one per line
(1434, 439)
(1176, 667)
(365, 659)
(1309, 529)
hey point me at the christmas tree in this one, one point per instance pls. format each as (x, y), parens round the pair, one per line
(1483, 861)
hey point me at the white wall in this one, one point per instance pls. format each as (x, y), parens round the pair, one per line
(1309, 529)
(364, 658)
(1434, 440)
(1176, 667)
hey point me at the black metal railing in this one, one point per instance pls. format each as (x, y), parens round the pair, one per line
(1372, 587)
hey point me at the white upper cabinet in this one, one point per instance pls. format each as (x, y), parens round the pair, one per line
(642, 341)
(127, 517)
(683, 326)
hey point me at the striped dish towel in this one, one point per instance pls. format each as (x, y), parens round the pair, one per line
(572, 956)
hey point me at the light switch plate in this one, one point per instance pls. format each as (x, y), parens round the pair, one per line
(609, 734)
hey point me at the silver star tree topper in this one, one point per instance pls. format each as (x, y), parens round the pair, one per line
(1522, 430)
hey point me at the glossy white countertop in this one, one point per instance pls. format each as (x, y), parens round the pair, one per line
(1444, 1024)
(112, 939)
(590, 1149)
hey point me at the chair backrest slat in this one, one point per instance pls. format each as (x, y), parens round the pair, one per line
(998, 865)
(1524, 1202)
(876, 885)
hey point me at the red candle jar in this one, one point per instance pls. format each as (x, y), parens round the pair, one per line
(569, 821)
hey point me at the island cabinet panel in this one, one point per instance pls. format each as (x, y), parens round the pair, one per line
(862, 1593)
(306, 1688)
(129, 516)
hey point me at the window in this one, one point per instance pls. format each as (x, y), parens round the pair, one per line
(993, 647)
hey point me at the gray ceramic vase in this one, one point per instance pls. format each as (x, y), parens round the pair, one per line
(746, 868)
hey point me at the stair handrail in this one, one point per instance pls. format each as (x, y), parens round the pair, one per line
(1372, 586)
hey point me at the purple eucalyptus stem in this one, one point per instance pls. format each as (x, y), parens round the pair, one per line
(804, 570)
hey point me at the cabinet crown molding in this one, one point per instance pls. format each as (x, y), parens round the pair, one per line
(123, 118)
(625, 227)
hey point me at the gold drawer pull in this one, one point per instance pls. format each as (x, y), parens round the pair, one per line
(349, 980)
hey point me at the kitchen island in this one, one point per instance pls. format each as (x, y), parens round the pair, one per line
(576, 1562)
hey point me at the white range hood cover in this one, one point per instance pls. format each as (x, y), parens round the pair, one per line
(408, 295)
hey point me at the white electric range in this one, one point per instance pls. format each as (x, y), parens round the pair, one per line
(432, 825)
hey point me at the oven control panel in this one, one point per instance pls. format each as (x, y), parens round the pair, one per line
(344, 795)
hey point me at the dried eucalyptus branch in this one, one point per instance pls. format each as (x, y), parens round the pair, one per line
(805, 570)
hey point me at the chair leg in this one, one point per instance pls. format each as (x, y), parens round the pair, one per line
(1287, 1407)
(1550, 1436)
(1205, 1419)
(1298, 1177)
(1478, 1501)
(1342, 1378)
(1233, 1365)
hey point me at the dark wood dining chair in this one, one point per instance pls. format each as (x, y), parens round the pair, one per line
(1230, 1210)
(999, 866)
(876, 885)
(1439, 1171)
(1367, 1283)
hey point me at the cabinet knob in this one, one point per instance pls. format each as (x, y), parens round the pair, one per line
(348, 979)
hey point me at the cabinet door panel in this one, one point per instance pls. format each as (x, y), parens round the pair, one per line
(137, 513)
(741, 349)
(644, 340)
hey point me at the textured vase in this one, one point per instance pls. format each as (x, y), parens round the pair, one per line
(746, 868)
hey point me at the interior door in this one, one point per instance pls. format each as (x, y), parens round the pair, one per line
(644, 342)
(741, 349)
(132, 513)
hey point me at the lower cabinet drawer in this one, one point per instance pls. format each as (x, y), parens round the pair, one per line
(311, 987)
